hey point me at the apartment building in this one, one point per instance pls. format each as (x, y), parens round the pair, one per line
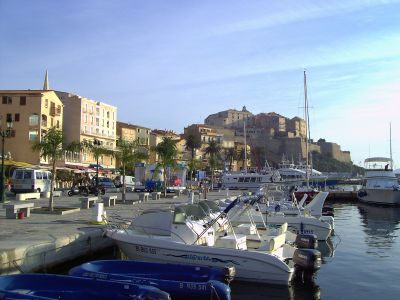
(33, 113)
(131, 132)
(87, 120)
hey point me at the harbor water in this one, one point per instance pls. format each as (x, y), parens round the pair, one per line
(361, 261)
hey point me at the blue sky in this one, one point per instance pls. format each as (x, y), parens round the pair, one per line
(168, 64)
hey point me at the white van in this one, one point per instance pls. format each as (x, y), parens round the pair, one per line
(129, 182)
(30, 180)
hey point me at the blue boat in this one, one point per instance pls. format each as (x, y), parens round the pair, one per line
(49, 286)
(180, 281)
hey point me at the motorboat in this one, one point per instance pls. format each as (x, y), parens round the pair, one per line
(50, 286)
(250, 180)
(178, 280)
(381, 185)
(180, 236)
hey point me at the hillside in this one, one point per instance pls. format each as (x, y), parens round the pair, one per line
(325, 163)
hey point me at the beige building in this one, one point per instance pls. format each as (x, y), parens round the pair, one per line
(87, 120)
(134, 133)
(230, 118)
(33, 113)
(156, 137)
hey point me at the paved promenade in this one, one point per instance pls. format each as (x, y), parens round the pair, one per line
(44, 240)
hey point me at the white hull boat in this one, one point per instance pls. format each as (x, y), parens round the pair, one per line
(184, 236)
(381, 184)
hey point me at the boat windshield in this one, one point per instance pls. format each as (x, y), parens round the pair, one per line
(182, 213)
(209, 206)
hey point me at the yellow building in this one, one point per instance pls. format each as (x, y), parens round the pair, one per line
(134, 133)
(87, 120)
(33, 113)
(157, 136)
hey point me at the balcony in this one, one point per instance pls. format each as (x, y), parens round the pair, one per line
(55, 111)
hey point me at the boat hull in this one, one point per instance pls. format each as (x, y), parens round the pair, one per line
(251, 266)
(380, 196)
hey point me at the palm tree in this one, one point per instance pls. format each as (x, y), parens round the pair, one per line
(193, 142)
(167, 153)
(230, 155)
(51, 148)
(214, 151)
(193, 165)
(97, 150)
(127, 153)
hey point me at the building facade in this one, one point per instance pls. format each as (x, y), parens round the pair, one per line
(87, 120)
(33, 113)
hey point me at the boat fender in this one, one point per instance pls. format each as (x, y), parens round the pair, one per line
(306, 241)
(307, 259)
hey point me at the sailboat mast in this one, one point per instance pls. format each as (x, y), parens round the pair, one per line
(307, 127)
(245, 145)
(390, 141)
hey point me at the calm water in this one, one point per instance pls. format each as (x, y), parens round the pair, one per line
(362, 261)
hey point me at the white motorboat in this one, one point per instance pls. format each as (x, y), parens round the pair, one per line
(250, 180)
(380, 184)
(179, 236)
(299, 224)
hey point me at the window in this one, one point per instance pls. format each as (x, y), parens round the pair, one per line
(58, 124)
(33, 135)
(22, 100)
(52, 122)
(7, 100)
(108, 115)
(46, 103)
(34, 120)
(44, 175)
(4, 101)
(16, 118)
(19, 174)
(28, 175)
(9, 117)
(39, 175)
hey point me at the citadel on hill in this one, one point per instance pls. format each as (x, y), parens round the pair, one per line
(271, 135)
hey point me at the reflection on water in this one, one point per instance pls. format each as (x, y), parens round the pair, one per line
(381, 225)
(327, 248)
(301, 288)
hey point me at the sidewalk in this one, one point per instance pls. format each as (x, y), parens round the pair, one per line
(44, 240)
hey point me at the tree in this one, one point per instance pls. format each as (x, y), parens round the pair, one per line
(193, 142)
(167, 153)
(127, 154)
(230, 155)
(213, 150)
(193, 165)
(96, 149)
(51, 148)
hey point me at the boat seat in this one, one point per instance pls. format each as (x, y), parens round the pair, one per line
(273, 243)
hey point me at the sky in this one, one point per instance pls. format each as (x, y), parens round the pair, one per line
(169, 64)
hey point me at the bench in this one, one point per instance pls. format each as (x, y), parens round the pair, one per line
(55, 194)
(109, 200)
(87, 202)
(156, 195)
(144, 196)
(12, 209)
(24, 196)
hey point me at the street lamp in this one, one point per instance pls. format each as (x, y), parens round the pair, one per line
(97, 144)
(4, 133)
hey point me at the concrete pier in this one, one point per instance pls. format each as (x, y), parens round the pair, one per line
(46, 240)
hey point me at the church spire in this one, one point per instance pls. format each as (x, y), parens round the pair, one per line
(46, 82)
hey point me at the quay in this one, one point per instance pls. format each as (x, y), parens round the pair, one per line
(44, 240)
(342, 195)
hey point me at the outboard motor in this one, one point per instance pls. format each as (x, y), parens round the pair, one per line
(327, 211)
(307, 259)
(306, 241)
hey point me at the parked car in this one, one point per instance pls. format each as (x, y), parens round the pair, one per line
(129, 182)
(106, 182)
